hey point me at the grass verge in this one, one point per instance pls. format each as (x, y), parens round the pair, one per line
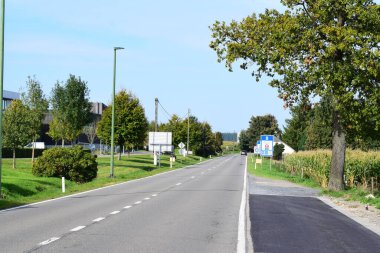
(20, 186)
(276, 172)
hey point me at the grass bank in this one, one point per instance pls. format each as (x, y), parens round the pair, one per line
(277, 171)
(20, 186)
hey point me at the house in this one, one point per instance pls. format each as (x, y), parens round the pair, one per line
(288, 150)
(8, 97)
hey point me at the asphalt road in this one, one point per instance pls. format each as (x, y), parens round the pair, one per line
(195, 209)
(288, 218)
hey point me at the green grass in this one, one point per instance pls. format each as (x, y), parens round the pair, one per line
(20, 186)
(354, 194)
(275, 172)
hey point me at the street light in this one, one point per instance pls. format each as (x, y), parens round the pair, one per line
(113, 109)
(1, 81)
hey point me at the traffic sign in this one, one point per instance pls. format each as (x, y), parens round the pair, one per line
(266, 149)
(181, 145)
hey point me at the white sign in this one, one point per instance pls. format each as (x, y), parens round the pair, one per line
(266, 145)
(160, 142)
(181, 145)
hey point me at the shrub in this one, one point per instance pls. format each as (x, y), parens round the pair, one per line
(74, 164)
(278, 150)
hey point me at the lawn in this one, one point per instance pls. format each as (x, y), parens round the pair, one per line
(20, 186)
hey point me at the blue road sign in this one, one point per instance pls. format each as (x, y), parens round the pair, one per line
(266, 148)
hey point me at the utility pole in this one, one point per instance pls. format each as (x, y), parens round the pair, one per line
(2, 19)
(156, 116)
(188, 130)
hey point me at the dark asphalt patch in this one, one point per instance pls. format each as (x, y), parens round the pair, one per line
(304, 224)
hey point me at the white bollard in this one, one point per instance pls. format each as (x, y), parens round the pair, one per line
(63, 184)
(171, 163)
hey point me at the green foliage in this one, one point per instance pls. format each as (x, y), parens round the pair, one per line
(71, 109)
(278, 150)
(131, 124)
(262, 125)
(38, 105)
(17, 129)
(314, 49)
(218, 141)
(72, 163)
(359, 167)
(243, 141)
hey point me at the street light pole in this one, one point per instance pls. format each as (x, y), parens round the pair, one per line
(2, 19)
(113, 110)
(188, 131)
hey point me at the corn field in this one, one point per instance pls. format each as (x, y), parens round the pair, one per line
(362, 169)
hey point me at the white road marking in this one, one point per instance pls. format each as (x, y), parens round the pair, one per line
(192, 177)
(127, 207)
(115, 212)
(99, 219)
(178, 184)
(242, 213)
(147, 199)
(138, 202)
(49, 241)
(154, 195)
(77, 228)
(202, 173)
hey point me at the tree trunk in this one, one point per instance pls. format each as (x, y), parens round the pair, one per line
(63, 143)
(336, 182)
(14, 159)
(33, 147)
(119, 157)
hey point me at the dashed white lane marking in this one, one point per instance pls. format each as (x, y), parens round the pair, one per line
(115, 212)
(178, 184)
(147, 199)
(154, 195)
(77, 228)
(49, 241)
(127, 207)
(138, 202)
(98, 219)
(202, 173)
(192, 177)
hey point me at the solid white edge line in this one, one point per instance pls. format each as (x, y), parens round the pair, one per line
(77, 228)
(48, 241)
(127, 207)
(115, 212)
(110, 186)
(98, 219)
(241, 231)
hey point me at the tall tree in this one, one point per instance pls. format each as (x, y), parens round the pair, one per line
(315, 47)
(17, 127)
(71, 107)
(35, 100)
(261, 125)
(244, 141)
(218, 141)
(131, 125)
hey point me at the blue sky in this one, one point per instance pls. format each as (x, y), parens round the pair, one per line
(166, 55)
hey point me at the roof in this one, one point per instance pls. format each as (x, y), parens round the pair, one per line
(10, 95)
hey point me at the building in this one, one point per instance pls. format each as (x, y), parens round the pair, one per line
(230, 137)
(8, 97)
(288, 149)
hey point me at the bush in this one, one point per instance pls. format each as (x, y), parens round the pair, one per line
(21, 152)
(74, 164)
(277, 151)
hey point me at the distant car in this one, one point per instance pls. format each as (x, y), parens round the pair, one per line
(243, 152)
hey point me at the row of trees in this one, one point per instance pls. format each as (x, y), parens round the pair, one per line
(314, 49)
(202, 140)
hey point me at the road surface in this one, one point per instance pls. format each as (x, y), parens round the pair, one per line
(195, 209)
(289, 218)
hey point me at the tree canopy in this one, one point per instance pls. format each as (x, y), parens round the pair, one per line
(314, 49)
(131, 124)
(261, 125)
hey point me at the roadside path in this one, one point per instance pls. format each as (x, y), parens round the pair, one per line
(289, 218)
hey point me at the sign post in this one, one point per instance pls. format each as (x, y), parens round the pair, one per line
(266, 149)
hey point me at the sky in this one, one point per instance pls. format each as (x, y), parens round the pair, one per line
(166, 55)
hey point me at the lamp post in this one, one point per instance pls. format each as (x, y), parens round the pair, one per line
(113, 109)
(2, 15)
